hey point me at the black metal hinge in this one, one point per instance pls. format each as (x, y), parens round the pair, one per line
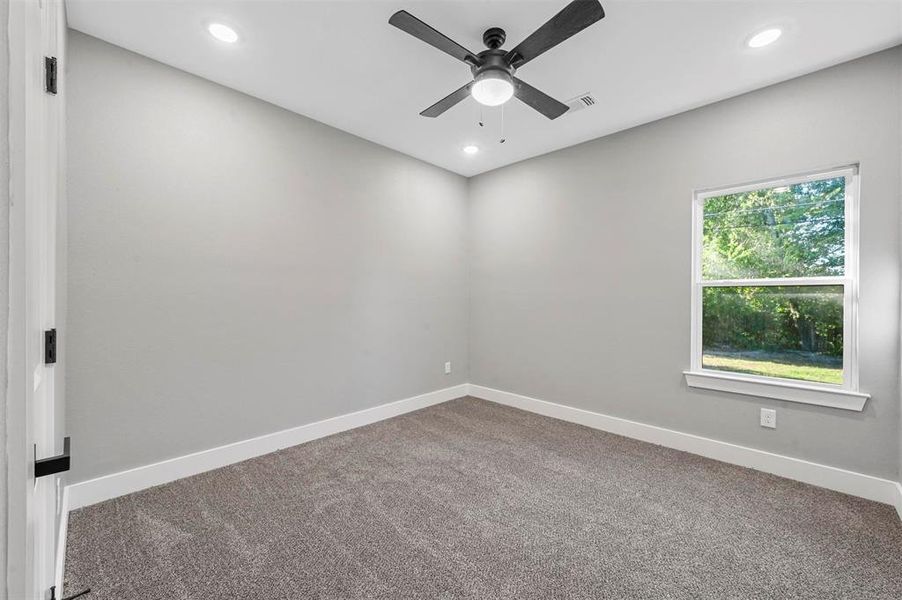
(50, 346)
(50, 74)
(54, 464)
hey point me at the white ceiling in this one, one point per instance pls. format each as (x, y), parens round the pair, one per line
(341, 63)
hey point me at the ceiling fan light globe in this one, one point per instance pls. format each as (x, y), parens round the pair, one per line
(493, 89)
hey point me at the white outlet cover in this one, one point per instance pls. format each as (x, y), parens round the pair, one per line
(447, 367)
(769, 418)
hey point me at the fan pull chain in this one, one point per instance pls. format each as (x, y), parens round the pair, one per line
(502, 140)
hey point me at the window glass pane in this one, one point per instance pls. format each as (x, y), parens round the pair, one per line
(788, 332)
(792, 231)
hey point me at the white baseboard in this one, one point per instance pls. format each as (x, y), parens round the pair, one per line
(118, 484)
(840, 480)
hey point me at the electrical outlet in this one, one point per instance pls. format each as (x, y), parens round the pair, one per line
(769, 418)
(448, 367)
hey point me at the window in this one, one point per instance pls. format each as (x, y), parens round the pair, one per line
(775, 289)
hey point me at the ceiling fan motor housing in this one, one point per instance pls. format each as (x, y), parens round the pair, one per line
(493, 63)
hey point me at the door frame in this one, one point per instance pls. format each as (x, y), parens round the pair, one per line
(27, 28)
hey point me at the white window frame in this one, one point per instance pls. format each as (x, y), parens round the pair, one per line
(846, 396)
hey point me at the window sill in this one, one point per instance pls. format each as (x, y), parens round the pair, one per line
(834, 397)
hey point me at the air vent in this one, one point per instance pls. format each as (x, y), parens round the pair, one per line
(580, 102)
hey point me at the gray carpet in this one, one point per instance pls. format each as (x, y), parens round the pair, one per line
(471, 499)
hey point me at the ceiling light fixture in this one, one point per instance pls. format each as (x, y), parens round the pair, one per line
(471, 149)
(765, 38)
(494, 69)
(223, 33)
(493, 87)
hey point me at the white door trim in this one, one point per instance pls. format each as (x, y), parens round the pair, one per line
(17, 421)
(36, 185)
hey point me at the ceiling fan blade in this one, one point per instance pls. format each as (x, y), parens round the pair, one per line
(575, 17)
(447, 102)
(405, 21)
(540, 101)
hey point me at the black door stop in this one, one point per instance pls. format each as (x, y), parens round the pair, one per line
(72, 597)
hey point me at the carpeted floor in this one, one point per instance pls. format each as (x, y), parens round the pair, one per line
(470, 499)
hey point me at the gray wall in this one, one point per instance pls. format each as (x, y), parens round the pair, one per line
(580, 263)
(236, 269)
(4, 273)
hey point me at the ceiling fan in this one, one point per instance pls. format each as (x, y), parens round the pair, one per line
(493, 69)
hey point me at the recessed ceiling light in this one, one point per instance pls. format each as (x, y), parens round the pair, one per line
(471, 149)
(765, 38)
(223, 33)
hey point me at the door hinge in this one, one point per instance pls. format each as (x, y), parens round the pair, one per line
(54, 464)
(50, 74)
(50, 347)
